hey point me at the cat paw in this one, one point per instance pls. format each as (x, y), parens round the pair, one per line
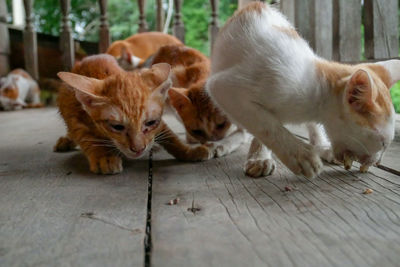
(326, 154)
(304, 161)
(220, 151)
(64, 144)
(105, 165)
(259, 167)
(200, 153)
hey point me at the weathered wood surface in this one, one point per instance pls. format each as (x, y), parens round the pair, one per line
(4, 40)
(160, 16)
(346, 30)
(104, 32)
(142, 16)
(44, 194)
(30, 42)
(381, 31)
(213, 28)
(66, 39)
(287, 7)
(178, 29)
(321, 22)
(326, 221)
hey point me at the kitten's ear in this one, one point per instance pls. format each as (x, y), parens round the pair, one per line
(125, 55)
(360, 94)
(159, 79)
(179, 98)
(393, 67)
(85, 88)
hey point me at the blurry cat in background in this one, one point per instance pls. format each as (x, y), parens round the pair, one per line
(203, 121)
(110, 113)
(264, 75)
(133, 51)
(19, 90)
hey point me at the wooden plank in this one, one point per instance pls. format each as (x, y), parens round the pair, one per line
(178, 29)
(4, 40)
(288, 8)
(381, 30)
(322, 28)
(303, 20)
(46, 200)
(213, 28)
(30, 42)
(142, 16)
(104, 32)
(326, 221)
(66, 40)
(160, 16)
(347, 30)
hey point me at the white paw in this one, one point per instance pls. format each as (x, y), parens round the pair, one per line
(259, 167)
(326, 154)
(304, 160)
(220, 151)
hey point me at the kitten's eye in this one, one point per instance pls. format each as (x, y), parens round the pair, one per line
(118, 127)
(221, 125)
(198, 132)
(150, 123)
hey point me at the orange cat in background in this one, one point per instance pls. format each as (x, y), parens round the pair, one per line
(110, 113)
(133, 51)
(203, 121)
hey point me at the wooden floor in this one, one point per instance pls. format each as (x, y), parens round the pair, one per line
(54, 212)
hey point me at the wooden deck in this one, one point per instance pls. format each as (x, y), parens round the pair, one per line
(54, 212)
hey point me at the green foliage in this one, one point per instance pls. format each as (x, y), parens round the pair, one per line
(395, 92)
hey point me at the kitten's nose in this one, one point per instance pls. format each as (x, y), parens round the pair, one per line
(137, 151)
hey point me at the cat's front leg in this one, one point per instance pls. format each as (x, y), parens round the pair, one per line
(101, 159)
(182, 151)
(230, 143)
(318, 139)
(259, 160)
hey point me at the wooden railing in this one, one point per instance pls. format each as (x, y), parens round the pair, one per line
(332, 27)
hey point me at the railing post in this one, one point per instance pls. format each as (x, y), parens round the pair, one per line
(179, 28)
(287, 8)
(105, 39)
(4, 40)
(347, 30)
(142, 16)
(213, 28)
(160, 16)
(30, 42)
(66, 40)
(381, 32)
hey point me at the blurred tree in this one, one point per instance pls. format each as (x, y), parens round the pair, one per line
(123, 18)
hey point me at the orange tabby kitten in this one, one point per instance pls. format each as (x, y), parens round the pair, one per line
(110, 112)
(134, 50)
(203, 121)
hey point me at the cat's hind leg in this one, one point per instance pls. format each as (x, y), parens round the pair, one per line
(259, 160)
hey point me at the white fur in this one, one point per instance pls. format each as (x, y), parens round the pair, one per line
(263, 78)
(27, 92)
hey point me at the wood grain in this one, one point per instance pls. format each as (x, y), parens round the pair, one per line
(4, 40)
(327, 221)
(381, 33)
(346, 30)
(54, 212)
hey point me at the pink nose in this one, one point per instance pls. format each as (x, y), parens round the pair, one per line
(137, 151)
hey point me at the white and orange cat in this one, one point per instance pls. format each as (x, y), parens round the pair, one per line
(19, 90)
(110, 113)
(264, 75)
(133, 51)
